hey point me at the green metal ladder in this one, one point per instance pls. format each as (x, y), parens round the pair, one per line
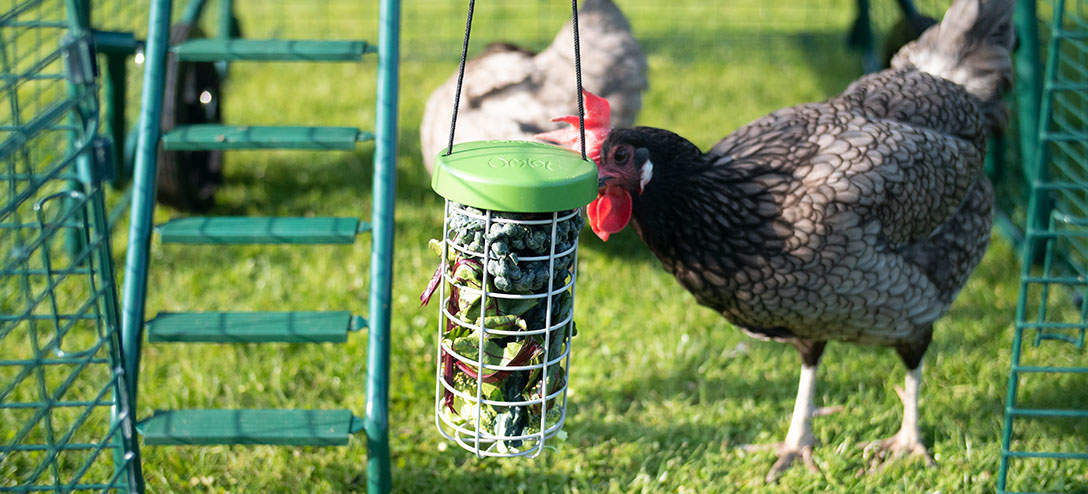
(266, 426)
(1052, 308)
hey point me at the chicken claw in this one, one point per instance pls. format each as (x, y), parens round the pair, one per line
(901, 445)
(786, 457)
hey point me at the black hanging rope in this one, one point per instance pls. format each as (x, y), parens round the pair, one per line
(460, 74)
(577, 73)
(578, 76)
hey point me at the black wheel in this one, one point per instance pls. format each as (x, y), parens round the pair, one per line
(187, 180)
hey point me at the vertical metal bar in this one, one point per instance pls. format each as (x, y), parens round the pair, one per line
(1029, 93)
(193, 10)
(439, 389)
(548, 320)
(861, 38)
(143, 199)
(115, 87)
(1039, 201)
(78, 16)
(1029, 81)
(225, 21)
(479, 405)
(381, 256)
(1032, 141)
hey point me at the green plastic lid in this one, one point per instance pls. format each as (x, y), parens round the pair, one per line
(515, 176)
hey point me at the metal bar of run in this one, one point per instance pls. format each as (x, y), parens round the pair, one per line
(1047, 412)
(1050, 369)
(193, 10)
(143, 199)
(48, 361)
(1051, 455)
(379, 477)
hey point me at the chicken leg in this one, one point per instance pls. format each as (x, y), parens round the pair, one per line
(799, 440)
(908, 441)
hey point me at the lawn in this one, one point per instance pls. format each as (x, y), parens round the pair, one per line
(662, 393)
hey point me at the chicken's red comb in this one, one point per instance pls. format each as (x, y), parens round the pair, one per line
(598, 118)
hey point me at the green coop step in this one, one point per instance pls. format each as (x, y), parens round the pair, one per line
(285, 427)
(280, 50)
(250, 327)
(261, 230)
(210, 136)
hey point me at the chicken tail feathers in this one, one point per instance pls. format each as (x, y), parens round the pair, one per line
(971, 47)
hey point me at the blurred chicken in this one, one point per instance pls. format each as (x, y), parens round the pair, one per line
(513, 93)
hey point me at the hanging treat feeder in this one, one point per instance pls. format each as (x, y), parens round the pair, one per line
(509, 254)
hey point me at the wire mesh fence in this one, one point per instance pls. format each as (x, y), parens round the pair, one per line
(64, 423)
(1049, 372)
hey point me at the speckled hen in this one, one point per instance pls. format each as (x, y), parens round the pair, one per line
(857, 219)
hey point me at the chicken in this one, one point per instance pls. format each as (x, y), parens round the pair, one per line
(512, 93)
(857, 219)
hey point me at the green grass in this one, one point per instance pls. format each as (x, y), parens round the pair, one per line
(662, 392)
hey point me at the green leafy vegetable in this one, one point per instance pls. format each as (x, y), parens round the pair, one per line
(518, 262)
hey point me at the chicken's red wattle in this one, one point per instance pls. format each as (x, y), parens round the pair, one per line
(610, 211)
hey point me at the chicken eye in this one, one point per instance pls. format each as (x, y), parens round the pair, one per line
(621, 155)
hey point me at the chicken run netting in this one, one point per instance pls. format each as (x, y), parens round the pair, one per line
(65, 424)
(1049, 369)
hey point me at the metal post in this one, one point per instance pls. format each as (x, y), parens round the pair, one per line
(143, 196)
(79, 22)
(115, 87)
(1029, 93)
(193, 11)
(381, 259)
(1039, 204)
(226, 22)
(1029, 81)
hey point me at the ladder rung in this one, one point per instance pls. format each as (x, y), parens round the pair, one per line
(210, 136)
(281, 50)
(285, 427)
(1046, 412)
(1046, 454)
(250, 327)
(261, 230)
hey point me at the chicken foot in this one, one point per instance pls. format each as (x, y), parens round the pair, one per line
(908, 441)
(799, 439)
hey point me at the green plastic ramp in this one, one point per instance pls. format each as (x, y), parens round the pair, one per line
(261, 230)
(283, 427)
(250, 327)
(278, 50)
(211, 136)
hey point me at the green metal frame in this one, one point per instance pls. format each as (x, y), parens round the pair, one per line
(379, 477)
(1052, 308)
(134, 316)
(61, 373)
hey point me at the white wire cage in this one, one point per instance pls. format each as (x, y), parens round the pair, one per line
(506, 319)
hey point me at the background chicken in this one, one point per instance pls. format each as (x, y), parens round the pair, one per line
(512, 93)
(857, 219)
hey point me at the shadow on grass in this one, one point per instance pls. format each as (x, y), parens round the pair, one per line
(473, 478)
